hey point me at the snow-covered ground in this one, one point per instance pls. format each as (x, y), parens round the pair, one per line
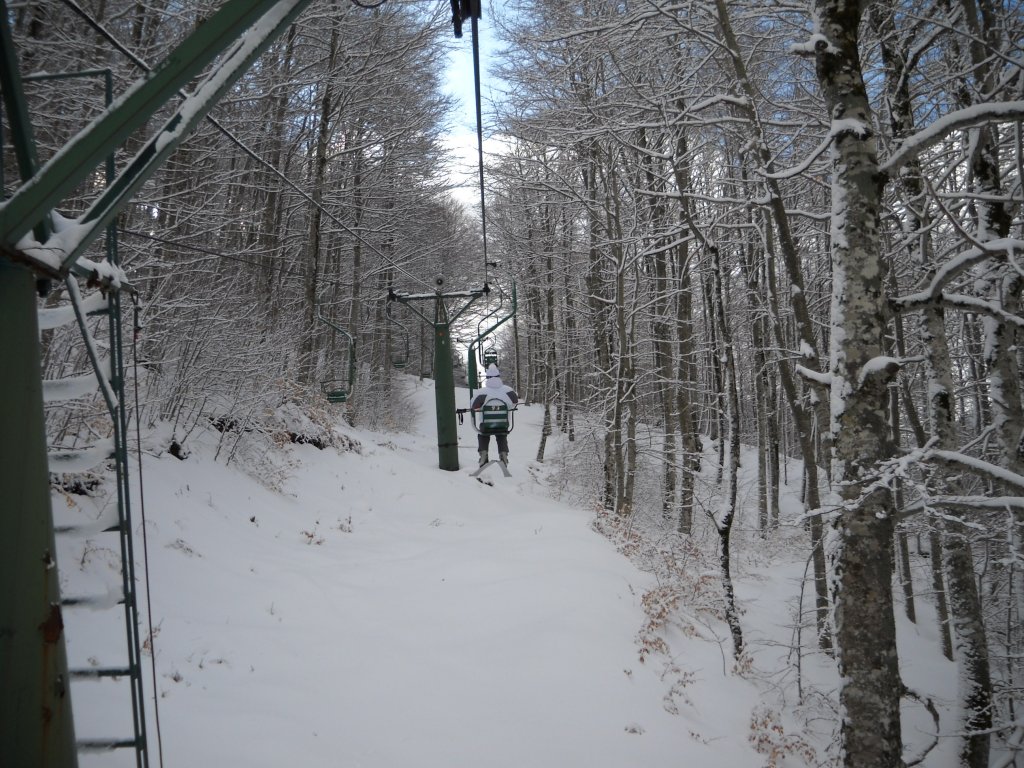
(374, 611)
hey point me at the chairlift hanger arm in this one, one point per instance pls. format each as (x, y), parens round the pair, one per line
(501, 303)
(481, 336)
(340, 395)
(335, 326)
(401, 359)
(471, 354)
(473, 10)
(492, 313)
(392, 297)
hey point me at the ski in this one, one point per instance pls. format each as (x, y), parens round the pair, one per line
(504, 469)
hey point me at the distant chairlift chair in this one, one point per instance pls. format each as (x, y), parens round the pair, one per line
(399, 357)
(334, 390)
(489, 357)
(338, 390)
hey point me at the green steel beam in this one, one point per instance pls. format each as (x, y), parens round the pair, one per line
(35, 706)
(36, 725)
(17, 115)
(80, 156)
(444, 391)
(14, 100)
(187, 116)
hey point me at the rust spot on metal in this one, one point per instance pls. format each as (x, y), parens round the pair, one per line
(47, 715)
(53, 626)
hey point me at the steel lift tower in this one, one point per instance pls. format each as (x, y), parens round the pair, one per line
(36, 727)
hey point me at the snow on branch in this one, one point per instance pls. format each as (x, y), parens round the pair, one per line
(881, 368)
(982, 467)
(980, 306)
(722, 98)
(839, 128)
(877, 368)
(929, 706)
(901, 467)
(969, 117)
(955, 266)
(816, 43)
(814, 377)
(929, 453)
(964, 504)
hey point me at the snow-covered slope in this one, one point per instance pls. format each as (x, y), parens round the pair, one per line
(378, 612)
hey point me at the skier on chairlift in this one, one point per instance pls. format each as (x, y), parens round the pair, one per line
(494, 404)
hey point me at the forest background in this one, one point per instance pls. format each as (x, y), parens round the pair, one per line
(795, 226)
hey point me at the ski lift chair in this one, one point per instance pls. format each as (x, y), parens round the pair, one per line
(399, 358)
(496, 418)
(338, 390)
(489, 357)
(334, 390)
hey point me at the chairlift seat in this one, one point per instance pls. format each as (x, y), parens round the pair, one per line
(495, 418)
(333, 393)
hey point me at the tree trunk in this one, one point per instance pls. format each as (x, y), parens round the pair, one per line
(723, 523)
(598, 307)
(311, 273)
(751, 273)
(660, 332)
(937, 557)
(869, 693)
(802, 424)
(968, 627)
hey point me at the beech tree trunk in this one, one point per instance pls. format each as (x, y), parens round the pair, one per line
(731, 438)
(869, 695)
(314, 247)
(970, 642)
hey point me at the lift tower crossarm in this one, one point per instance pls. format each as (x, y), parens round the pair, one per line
(474, 294)
(248, 25)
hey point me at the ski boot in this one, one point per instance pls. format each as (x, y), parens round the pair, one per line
(483, 458)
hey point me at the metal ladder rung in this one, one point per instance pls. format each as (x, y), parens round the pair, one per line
(115, 528)
(105, 745)
(93, 601)
(97, 672)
